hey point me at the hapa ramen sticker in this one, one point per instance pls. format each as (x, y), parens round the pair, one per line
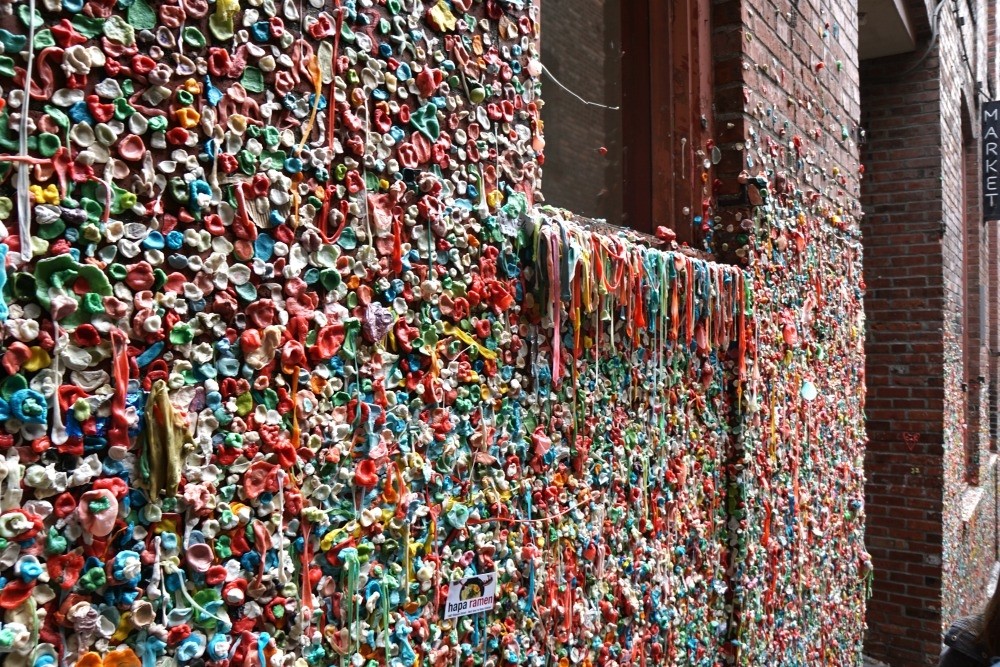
(472, 595)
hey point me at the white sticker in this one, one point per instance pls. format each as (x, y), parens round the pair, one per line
(472, 595)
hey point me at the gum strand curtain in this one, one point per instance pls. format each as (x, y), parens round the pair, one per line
(288, 346)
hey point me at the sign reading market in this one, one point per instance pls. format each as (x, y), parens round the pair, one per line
(991, 161)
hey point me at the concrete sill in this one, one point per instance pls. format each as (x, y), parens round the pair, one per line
(606, 228)
(972, 496)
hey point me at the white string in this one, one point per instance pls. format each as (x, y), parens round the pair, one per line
(282, 575)
(587, 102)
(23, 199)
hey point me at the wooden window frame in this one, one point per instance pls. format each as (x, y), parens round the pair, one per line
(667, 114)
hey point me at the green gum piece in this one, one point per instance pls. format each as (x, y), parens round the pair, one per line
(158, 123)
(222, 549)
(53, 231)
(178, 189)
(184, 97)
(57, 116)
(88, 27)
(123, 200)
(270, 399)
(142, 16)
(352, 330)
(24, 13)
(347, 34)
(92, 303)
(181, 334)
(348, 239)
(193, 37)
(272, 159)
(246, 292)
(99, 505)
(426, 122)
(329, 279)
(48, 144)
(271, 137)
(44, 39)
(6, 66)
(52, 271)
(22, 285)
(247, 161)
(341, 398)
(55, 543)
(159, 278)
(5, 140)
(92, 580)
(244, 404)
(117, 271)
(123, 109)
(13, 384)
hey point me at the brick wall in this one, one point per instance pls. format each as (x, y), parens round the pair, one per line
(787, 108)
(931, 530)
(904, 308)
(786, 103)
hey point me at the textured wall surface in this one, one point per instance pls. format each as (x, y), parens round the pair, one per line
(288, 348)
(905, 352)
(931, 272)
(787, 95)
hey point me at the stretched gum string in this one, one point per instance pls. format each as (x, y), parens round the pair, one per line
(331, 104)
(23, 195)
(58, 435)
(118, 433)
(555, 303)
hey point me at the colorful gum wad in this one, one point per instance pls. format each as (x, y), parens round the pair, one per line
(289, 346)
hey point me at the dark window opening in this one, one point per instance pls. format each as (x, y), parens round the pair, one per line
(649, 163)
(581, 47)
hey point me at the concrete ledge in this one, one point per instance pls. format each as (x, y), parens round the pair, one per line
(972, 496)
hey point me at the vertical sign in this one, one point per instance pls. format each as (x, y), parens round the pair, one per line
(991, 161)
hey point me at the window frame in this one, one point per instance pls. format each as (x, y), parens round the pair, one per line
(668, 107)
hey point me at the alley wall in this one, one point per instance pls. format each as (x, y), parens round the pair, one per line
(293, 359)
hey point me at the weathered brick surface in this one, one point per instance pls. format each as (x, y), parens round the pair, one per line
(930, 497)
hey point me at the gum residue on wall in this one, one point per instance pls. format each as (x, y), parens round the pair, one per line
(288, 347)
